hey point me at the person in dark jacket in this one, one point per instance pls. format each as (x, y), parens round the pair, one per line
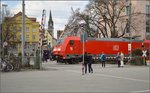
(90, 64)
(118, 59)
(85, 62)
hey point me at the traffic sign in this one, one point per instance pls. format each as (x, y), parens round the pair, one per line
(144, 53)
(5, 44)
(44, 42)
(129, 47)
(83, 37)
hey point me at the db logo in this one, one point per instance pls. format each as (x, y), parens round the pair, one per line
(71, 48)
(116, 47)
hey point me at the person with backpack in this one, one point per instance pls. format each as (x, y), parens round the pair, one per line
(103, 59)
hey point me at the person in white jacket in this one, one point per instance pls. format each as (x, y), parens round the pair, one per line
(121, 59)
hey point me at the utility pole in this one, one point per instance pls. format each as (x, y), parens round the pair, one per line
(4, 6)
(23, 29)
(149, 46)
(130, 43)
(42, 35)
(114, 4)
(1, 30)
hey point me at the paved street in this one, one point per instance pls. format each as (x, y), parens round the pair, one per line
(67, 78)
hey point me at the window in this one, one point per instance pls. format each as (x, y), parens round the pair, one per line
(20, 37)
(148, 9)
(71, 42)
(147, 35)
(20, 29)
(147, 29)
(34, 37)
(27, 37)
(33, 29)
(127, 10)
(27, 29)
(148, 21)
(148, 26)
(33, 46)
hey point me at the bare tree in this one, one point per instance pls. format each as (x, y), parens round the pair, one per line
(107, 15)
(100, 17)
(9, 29)
(79, 22)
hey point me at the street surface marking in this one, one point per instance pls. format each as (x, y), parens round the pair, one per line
(113, 76)
(148, 91)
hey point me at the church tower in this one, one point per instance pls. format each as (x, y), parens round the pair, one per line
(50, 25)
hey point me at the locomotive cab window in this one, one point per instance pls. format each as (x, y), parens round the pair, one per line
(71, 42)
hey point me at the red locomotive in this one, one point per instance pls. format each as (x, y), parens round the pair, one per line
(71, 49)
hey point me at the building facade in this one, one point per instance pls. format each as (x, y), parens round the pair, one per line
(59, 33)
(31, 36)
(140, 18)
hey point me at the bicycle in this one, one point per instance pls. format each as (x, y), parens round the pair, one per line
(15, 61)
(6, 66)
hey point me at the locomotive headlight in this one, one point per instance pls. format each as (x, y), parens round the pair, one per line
(54, 49)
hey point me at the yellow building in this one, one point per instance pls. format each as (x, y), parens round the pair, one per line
(31, 36)
(50, 41)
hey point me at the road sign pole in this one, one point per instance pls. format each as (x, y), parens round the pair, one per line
(144, 60)
(144, 56)
(83, 47)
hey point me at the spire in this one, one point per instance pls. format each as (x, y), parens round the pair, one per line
(50, 23)
(50, 16)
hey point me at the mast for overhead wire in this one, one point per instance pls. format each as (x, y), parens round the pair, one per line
(23, 29)
(42, 32)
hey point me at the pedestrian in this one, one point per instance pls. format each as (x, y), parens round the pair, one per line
(121, 59)
(45, 55)
(85, 62)
(82, 64)
(118, 59)
(90, 64)
(103, 59)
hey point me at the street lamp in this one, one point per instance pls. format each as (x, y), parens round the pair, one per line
(81, 23)
(129, 28)
(4, 6)
(23, 29)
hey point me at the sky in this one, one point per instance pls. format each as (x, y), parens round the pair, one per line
(61, 10)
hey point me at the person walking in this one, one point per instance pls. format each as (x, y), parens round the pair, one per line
(103, 59)
(85, 62)
(121, 59)
(118, 59)
(90, 64)
(82, 64)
